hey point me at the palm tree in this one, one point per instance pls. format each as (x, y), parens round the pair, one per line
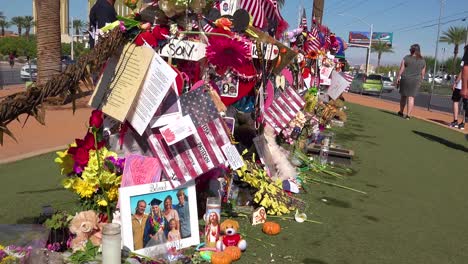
(381, 47)
(28, 22)
(18, 21)
(48, 39)
(455, 36)
(2, 16)
(78, 25)
(4, 24)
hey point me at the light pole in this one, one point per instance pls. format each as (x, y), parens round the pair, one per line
(442, 2)
(371, 26)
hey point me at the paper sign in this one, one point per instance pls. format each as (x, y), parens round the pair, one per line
(337, 86)
(184, 49)
(271, 52)
(178, 129)
(157, 83)
(230, 123)
(121, 81)
(259, 216)
(141, 170)
(170, 109)
(228, 7)
(233, 156)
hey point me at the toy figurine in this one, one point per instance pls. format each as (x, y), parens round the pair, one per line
(230, 238)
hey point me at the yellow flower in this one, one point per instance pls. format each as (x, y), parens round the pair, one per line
(9, 260)
(68, 182)
(1, 247)
(102, 202)
(113, 193)
(83, 188)
(65, 161)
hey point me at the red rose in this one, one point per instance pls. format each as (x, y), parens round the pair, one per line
(89, 141)
(145, 36)
(96, 119)
(160, 32)
(81, 157)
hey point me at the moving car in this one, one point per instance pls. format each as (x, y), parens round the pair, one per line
(388, 84)
(372, 84)
(29, 71)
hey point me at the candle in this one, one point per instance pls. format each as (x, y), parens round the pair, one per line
(212, 218)
(111, 241)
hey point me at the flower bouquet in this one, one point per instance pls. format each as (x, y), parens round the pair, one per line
(13, 254)
(92, 171)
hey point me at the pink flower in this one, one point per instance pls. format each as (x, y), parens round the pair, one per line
(81, 157)
(96, 120)
(225, 53)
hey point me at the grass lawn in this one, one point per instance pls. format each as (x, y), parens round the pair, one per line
(415, 211)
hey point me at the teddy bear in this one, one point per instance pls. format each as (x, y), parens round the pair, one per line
(85, 225)
(230, 238)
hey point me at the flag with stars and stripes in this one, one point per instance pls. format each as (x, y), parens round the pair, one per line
(261, 11)
(199, 152)
(284, 109)
(349, 78)
(313, 42)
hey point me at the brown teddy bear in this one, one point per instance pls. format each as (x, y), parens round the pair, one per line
(230, 238)
(85, 225)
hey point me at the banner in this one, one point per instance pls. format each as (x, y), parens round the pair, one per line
(362, 37)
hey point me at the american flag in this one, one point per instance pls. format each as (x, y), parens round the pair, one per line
(262, 11)
(284, 109)
(313, 42)
(200, 152)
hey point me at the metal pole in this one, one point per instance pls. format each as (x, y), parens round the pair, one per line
(435, 57)
(369, 49)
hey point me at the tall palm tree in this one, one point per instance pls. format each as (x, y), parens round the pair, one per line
(28, 22)
(48, 39)
(4, 24)
(78, 25)
(381, 47)
(18, 21)
(455, 36)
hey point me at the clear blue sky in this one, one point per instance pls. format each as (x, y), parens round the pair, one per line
(395, 16)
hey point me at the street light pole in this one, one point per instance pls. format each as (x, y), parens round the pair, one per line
(435, 57)
(369, 49)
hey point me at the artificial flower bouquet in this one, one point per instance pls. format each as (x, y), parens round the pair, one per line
(13, 254)
(92, 171)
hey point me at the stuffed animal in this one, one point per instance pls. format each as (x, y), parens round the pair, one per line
(230, 238)
(85, 225)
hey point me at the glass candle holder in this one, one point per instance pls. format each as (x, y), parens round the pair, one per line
(212, 220)
(111, 241)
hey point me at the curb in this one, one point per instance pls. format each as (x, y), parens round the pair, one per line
(31, 154)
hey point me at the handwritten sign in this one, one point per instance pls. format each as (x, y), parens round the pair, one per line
(337, 86)
(184, 49)
(271, 52)
(259, 216)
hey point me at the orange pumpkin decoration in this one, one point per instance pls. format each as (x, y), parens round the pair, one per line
(234, 252)
(271, 228)
(220, 258)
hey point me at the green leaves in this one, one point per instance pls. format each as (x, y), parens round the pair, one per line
(88, 254)
(58, 220)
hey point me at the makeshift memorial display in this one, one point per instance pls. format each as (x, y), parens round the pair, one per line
(172, 222)
(231, 237)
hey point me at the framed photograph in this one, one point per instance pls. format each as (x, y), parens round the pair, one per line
(156, 217)
(228, 86)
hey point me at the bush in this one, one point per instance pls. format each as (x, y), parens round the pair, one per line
(18, 45)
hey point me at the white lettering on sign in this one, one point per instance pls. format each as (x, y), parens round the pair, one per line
(184, 49)
(271, 52)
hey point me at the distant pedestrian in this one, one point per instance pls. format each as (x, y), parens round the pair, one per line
(409, 78)
(11, 59)
(456, 97)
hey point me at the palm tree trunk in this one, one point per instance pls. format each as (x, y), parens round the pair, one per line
(3, 31)
(379, 56)
(26, 32)
(455, 53)
(19, 31)
(48, 39)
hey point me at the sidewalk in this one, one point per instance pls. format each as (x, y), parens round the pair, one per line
(436, 117)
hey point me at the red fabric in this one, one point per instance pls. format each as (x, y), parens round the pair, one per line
(231, 240)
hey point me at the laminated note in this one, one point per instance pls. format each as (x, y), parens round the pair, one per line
(121, 81)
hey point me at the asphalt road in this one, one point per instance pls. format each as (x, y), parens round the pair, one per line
(438, 102)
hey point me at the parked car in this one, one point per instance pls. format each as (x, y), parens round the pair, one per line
(438, 79)
(372, 84)
(388, 84)
(29, 71)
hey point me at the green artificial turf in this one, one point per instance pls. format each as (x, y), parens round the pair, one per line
(416, 209)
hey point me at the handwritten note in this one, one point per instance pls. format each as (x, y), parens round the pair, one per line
(158, 80)
(184, 49)
(121, 81)
(141, 170)
(337, 86)
(178, 129)
(271, 52)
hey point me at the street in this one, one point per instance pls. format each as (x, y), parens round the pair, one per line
(8, 75)
(438, 102)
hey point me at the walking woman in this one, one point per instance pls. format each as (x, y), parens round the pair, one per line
(410, 76)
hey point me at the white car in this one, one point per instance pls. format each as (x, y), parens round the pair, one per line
(438, 79)
(29, 72)
(388, 84)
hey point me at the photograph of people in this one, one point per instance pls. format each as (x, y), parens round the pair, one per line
(138, 224)
(169, 213)
(174, 234)
(182, 209)
(212, 230)
(154, 229)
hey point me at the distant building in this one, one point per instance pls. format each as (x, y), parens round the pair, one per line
(64, 20)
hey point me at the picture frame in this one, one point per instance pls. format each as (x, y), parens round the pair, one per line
(129, 198)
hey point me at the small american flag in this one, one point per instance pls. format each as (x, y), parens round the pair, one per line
(284, 109)
(200, 152)
(313, 42)
(262, 11)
